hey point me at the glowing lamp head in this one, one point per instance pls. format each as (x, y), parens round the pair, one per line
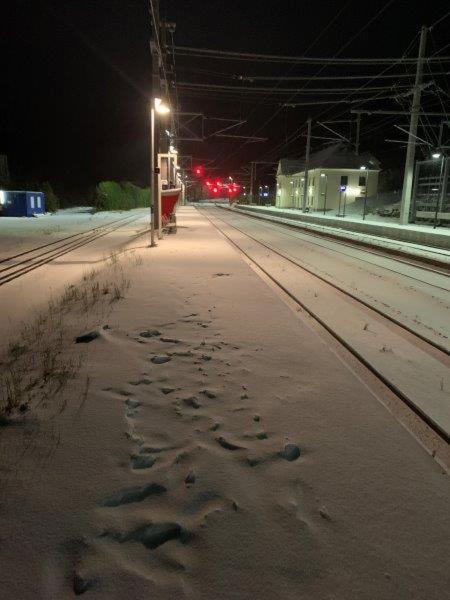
(436, 155)
(160, 107)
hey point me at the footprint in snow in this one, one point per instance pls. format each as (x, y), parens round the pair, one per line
(133, 494)
(160, 359)
(118, 391)
(170, 340)
(143, 381)
(155, 534)
(228, 445)
(149, 333)
(192, 401)
(142, 461)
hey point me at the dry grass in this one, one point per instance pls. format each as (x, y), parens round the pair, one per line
(43, 359)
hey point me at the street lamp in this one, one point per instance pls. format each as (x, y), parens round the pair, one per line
(157, 105)
(364, 168)
(436, 155)
(324, 177)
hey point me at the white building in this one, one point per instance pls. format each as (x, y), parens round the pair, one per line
(336, 177)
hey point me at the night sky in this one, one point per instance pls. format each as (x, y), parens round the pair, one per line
(76, 76)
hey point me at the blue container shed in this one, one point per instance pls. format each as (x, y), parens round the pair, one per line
(22, 204)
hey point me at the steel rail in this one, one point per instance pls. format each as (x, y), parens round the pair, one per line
(391, 386)
(30, 264)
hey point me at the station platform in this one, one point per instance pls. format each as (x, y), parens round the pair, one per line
(419, 241)
(222, 439)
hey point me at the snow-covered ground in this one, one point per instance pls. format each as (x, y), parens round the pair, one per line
(174, 478)
(416, 298)
(18, 234)
(416, 250)
(21, 297)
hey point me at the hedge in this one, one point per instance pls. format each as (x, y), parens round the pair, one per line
(110, 195)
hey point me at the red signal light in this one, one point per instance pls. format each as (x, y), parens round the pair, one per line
(198, 171)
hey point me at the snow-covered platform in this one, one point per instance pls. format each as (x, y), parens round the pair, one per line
(417, 240)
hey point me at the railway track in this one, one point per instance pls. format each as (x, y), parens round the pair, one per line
(29, 260)
(408, 340)
(389, 253)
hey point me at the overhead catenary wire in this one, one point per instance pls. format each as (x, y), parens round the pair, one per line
(324, 65)
(233, 88)
(246, 56)
(250, 78)
(310, 46)
(300, 130)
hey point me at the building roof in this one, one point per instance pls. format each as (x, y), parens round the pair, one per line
(336, 156)
(287, 166)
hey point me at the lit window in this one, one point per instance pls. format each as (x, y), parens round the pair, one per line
(32, 201)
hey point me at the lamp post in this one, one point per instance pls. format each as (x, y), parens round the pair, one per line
(325, 177)
(157, 105)
(364, 168)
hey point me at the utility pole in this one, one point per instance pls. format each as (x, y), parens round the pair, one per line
(412, 136)
(308, 150)
(358, 131)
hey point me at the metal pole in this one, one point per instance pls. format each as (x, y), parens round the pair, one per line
(345, 202)
(365, 195)
(152, 176)
(340, 200)
(411, 150)
(251, 183)
(358, 130)
(325, 195)
(440, 194)
(158, 196)
(308, 150)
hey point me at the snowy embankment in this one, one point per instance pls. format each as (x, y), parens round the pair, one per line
(343, 231)
(213, 447)
(18, 234)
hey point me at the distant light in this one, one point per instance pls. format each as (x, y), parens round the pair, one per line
(2, 197)
(168, 133)
(265, 194)
(432, 189)
(436, 155)
(322, 175)
(173, 150)
(342, 188)
(293, 182)
(363, 168)
(266, 186)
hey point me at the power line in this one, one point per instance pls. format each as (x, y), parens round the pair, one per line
(357, 34)
(247, 56)
(440, 20)
(251, 78)
(321, 34)
(256, 90)
(298, 132)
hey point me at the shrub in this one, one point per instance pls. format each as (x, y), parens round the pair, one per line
(110, 195)
(51, 199)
